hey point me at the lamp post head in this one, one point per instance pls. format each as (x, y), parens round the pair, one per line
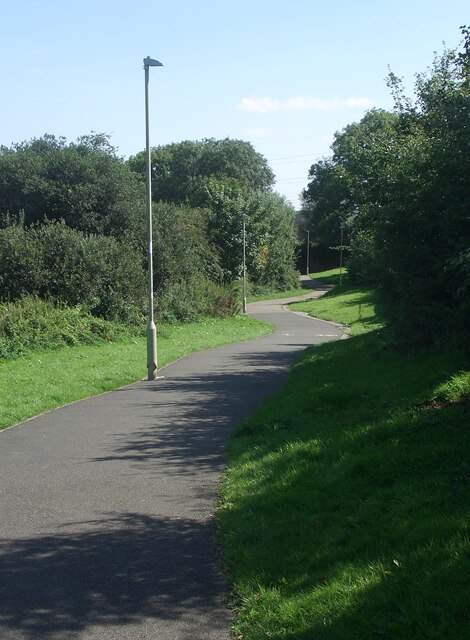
(150, 62)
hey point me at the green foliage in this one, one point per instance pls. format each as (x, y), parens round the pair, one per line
(270, 236)
(181, 247)
(361, 255)
(33, 324)
(345, 507)
(273, 243)
(348, 188)
(83, 183)
(181, 171)
(72, 226)
(400, 183)
(57, 262)
(426, 231)
(197, 297)
(229, 179)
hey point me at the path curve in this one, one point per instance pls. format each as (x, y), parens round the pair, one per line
(106, 504)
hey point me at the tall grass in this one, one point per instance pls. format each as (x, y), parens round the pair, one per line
(345, 509)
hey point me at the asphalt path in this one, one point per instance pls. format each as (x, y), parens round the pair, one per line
(106, 505)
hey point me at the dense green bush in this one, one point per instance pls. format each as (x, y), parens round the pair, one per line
(361, 257)
(55, 262)
(72, 228)
(84, 183)
(34, 324)
(181, 246)
(400, 183)
(195, 298)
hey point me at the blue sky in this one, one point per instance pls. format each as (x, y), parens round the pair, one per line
(283, 75)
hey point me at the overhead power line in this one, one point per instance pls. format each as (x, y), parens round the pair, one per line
(306, 155)
(302, 179)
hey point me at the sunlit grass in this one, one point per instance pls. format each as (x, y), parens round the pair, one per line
(291, 293)
(357, 308)
(43, 380)
(345, 509)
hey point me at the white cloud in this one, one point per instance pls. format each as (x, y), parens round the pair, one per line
(301, 103)
(259, 105)
(358, 102)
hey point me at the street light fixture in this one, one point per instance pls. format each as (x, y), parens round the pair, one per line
(151, 329)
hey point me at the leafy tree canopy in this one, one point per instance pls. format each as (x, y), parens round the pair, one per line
(347, 189)
(400, 182)
(270, 236)
(83, 183)
(181, 171)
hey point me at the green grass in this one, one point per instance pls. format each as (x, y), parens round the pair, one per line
(345, 510)
(357, 308)
(44, 380)
(291, 293)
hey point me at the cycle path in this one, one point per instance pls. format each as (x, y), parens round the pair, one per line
(106, 505)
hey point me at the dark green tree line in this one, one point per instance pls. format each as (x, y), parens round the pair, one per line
(73, 228)
(231, 181)
(182, 171)
(83, 183)
(400, 183)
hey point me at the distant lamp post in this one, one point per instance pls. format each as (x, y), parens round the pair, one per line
(244, 265)
(308, 252)
(151, 329)
(341, 257)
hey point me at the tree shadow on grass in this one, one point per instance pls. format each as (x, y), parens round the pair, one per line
(119, 570)
(431, 604)
(359, 521)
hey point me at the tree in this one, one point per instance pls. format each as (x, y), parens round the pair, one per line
(401, 183)
(270, 236)
(181, 171)
(83, 183)
(350, 188)
(229, 179)
(424, 232)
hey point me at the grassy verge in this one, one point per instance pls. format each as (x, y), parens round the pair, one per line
(345, 509)
(291, 293)
(43, 380)
(357, 308)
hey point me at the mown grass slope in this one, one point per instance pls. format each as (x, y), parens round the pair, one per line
(345, 509)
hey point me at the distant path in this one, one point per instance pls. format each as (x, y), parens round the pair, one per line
(106, 504)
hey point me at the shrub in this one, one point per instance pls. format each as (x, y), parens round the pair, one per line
(192, 299)
(55, 262)
(34, 324)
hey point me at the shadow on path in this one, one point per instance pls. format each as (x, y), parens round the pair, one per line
(107, 503)
(188, 419)
(119, 570)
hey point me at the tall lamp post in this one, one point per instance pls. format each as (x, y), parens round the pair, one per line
(151, 329)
